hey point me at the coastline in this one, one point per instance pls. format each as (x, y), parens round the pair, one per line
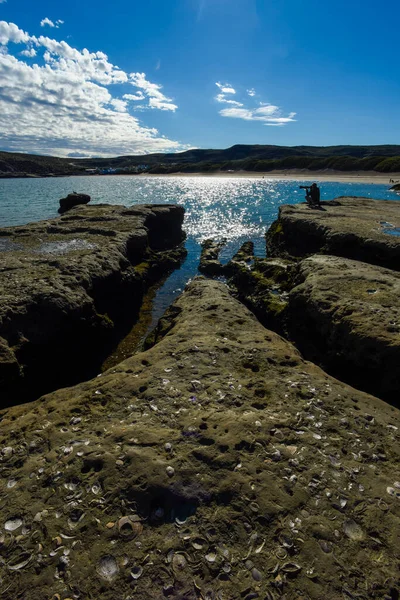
(367, 177)
(295, 175)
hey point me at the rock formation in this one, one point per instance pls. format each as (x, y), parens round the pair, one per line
(217, 464)
(345, 315)
(342, 314)
(72, 200)
(68, 284)
(357, 228)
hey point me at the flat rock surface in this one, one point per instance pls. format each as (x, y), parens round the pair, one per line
(217, 464)
(346, 315)
(63, 283)
(358, 228)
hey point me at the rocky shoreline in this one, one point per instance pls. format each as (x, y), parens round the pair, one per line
(219, 464)
(343, 314)
(70, 286)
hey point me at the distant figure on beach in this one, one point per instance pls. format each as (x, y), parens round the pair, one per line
(313, 194)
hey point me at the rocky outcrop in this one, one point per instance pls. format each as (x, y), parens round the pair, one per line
(342, 314)
(261, 284)
(72, 200)
(217, 464)
(70, 285)
(209, 259)
(356, 228)
(345, 315)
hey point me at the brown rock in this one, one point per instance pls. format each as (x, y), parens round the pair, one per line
(69, 283)
(270, 455)
(356, 228)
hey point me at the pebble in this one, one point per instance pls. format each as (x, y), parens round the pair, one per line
(170, 471)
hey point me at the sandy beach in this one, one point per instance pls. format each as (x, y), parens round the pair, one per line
(300, 175)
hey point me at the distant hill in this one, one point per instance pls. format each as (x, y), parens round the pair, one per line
(384, 158)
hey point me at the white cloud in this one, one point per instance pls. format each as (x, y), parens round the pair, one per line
(9, 32)
(47, 21)
(2, 1)
(222, 98)
(153, 92)
(50, 23)
(65, 106)
(118, 105)
(134, 97)
(30, 52)
(226, 88)
(267, 113)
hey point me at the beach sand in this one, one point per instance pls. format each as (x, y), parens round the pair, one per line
(300, 175)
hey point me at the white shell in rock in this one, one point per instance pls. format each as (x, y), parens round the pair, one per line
(23, 560)
(107, 568)
(211, 557)
(12, 524)
(178, 563)
(136, 572)
(353, 531)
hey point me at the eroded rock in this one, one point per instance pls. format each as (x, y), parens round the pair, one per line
(345, 315)
(69, 283)
(280, 473)
(356, 228)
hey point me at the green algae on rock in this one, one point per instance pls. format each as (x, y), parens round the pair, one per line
(217, 464)
(350, 227)
(68, 285)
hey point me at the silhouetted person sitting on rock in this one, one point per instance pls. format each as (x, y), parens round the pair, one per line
(313, 194)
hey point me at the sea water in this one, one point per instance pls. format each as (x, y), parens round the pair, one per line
(235, 208)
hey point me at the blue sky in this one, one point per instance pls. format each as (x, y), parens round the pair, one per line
(93, 78)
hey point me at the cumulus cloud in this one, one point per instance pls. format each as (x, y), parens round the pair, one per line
(153, 92)
(9, 32)
(267, 113)
(48, 22)
(30, 52)
(63, 104)
(134, 97)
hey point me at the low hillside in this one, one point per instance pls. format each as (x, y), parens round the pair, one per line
(383, 159)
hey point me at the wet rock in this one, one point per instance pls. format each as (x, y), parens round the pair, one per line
(209, 258)
(268, 496)
(71, 285)
(346, 315)
(356, 228)
(72, 200)
(262, 285)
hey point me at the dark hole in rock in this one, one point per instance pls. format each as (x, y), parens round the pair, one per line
(206, 441)
(92, 464)
(245, 445)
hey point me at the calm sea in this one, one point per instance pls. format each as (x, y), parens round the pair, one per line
(236, 208)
